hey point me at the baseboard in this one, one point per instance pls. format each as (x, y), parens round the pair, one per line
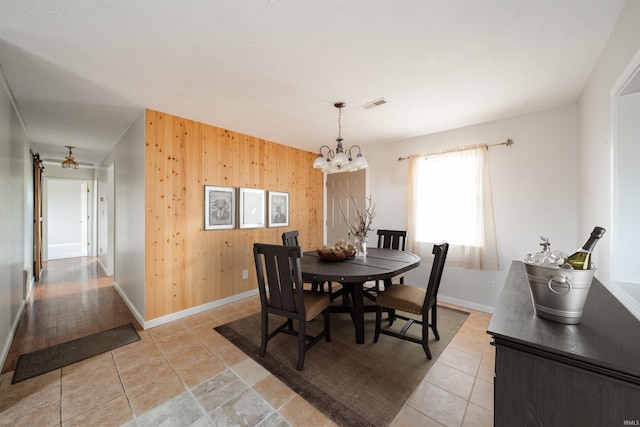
(14, 328)
(104, 269)
(466, 304)
(139, 317)
(148, 324)
(199, 309)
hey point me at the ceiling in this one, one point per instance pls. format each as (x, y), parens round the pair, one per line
(82, 71)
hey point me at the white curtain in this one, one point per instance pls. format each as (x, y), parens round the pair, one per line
(449, 198)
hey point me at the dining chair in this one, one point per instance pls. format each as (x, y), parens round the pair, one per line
(290, 238)
(392, 239)
(282, 294)
(387, 239)
(415, 300)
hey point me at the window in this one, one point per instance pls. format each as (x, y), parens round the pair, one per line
(450, 199)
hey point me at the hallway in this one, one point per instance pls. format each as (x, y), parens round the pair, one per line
(72, 299)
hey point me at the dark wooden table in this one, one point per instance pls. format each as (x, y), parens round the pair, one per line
(380, 264)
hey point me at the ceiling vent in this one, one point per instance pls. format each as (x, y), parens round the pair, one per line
(375, 103)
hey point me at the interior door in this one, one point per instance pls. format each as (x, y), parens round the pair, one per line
(341, 187)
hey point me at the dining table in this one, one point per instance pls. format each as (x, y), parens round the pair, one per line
(353, 273)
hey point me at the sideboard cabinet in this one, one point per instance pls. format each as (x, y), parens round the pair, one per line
(551, 374)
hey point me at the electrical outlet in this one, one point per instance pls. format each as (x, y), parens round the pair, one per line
(492, 285)
(245, 274)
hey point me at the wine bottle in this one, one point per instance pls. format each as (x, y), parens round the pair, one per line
(581, 259)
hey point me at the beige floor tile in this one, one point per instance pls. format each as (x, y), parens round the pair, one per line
(203, 331)
(473, 335)
(22, 397)
(197, 320)
(222, 320)
(409, 417)
(230, 354)
(300, 413)
(460, 360)
(176, 342)
(144, 354)
(471, 346)
(274, 391)
(146, 373)
(487, 368)
(477, 417)
(451, 380)
(229, 310)
(250, 371)
(198, 368)
(155, 392)
(214, 341)
(438, 404)
(135, 347)
(87, 365)
(47, 415)
(114, 413)
(166, 330)
(185, 350)
(482, 394)
(92, 370)
(81, 397)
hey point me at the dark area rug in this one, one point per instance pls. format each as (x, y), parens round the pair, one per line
(354, 385)
(48, 359)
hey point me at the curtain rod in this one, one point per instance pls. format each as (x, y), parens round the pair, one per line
(509, 142)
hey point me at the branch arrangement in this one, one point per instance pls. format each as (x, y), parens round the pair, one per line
(361, 225)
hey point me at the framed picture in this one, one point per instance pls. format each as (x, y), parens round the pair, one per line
(252, 208)
(219, 207)
(278, 209)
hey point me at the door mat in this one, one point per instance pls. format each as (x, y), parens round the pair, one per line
(48, 359)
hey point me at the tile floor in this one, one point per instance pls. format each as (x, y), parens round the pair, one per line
(185, 374)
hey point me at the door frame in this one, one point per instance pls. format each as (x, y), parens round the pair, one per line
(88, 225)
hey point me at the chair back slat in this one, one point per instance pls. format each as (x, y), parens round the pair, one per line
(440, 252)
(392, 239)
(290, 238)
(279, 276)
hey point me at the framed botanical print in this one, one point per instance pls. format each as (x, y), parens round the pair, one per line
(278, 209)
(219, 207)
(252, 208)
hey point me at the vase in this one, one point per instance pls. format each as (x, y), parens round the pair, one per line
(361, 246)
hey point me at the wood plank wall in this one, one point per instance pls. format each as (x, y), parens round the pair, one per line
(187, 266)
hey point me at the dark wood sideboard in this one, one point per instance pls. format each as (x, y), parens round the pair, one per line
(550, 374)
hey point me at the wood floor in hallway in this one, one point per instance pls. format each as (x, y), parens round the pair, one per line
(72, 299)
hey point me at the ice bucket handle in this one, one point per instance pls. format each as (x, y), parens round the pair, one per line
(560, 278)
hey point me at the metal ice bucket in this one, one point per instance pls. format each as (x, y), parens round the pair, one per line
(559, 294)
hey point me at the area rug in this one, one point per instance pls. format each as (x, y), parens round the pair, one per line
(354, 385)
(48, 359)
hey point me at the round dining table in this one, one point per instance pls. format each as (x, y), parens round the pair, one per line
(352, 273)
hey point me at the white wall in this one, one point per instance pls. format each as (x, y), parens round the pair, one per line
(73, 177)
(535, 191)
(129, 222)
(16, 217)
(63, 212)
(596, 130)
(102, 217)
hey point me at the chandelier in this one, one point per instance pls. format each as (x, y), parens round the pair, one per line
(339, 160)
(69, 163)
